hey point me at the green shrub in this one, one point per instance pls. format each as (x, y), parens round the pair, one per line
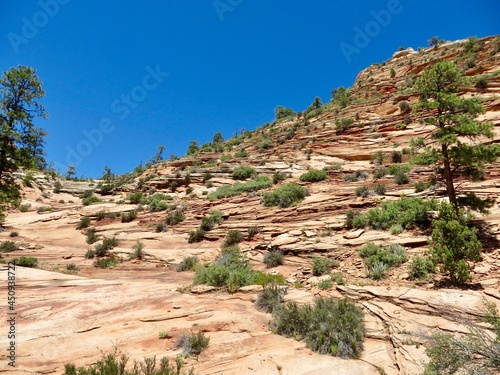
(24, 207)
(137, 251)
(329, 327)
(72, 267)
(397, 157)
(243, 172)
(107, 262)
(401, 178)
(274, 258)
(341, 125)
(57, 187)
(408, 212)
(362, 191)
(8, 246)
(111, 364)
(265, 144)
(379, 172)
(88, 201)
(269, 298)
(278, 177)
(194, 344)
(14, 234)
(420, 186)
(253, 231)
(380, 189)
(87, 194)
(454, 243)
(157, 205)
(313, 176)
(377, 271)
(187, 264)
(405, 107)
(209, 222)
(135, 198)
(130, 216)
(285, 196)
(378, 158)
(350, 216)
(196, 236)
(325, 284)
(397, 168)
(91, 236)
(233, 237)
(240, 154)
(175, 217)
(107, 244)
(378, 259)
(258, 183)
(207, 176)
(90, 254)
(421, 267)
(396, 229)
(322, 265)
(26, 262)
(84, 223)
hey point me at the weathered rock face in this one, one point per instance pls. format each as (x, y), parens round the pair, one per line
(70, 318)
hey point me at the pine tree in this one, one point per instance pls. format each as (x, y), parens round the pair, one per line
(455, 144)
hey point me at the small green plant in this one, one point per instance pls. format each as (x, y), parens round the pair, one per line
(341, 125)
(14, 234)
(107, 262)
(135, 198)
(91, 236)
(90, 254)
(421, 267)
(72, 267)
(329, 327)
(362, 191)
(379, 172)
(378, 158)
(278, 177)
(127, 217)
(175, 217)
(397, 157)
(325, 284)
(269, 298)
(196, 236)
(274, 258)
(401, 178)
(233, 237)
(8, 246)
(322, 265)
(163, 335)
(396, 229)
(253, 231)
(89, 200)
(24, 207)
(377, 271)
(83, 223)
(285, 196)
(380, 189)
(187, 264)
(137, 251)
(240, 154)
(379, 259)
(420, 186)
(57, 187)
(194, 344)
(314, 176)
(26, 262)
(243, 172)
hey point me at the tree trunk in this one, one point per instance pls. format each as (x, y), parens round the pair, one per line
(450, 187)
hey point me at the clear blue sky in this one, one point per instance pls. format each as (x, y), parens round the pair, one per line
(134, 75)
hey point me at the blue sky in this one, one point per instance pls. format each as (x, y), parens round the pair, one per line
(122, 77)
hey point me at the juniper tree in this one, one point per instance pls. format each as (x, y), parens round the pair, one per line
(456, 143)
(21, 142)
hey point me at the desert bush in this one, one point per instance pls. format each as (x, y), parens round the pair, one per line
(405, 107)
(379, 172)
(240, 154)
(396, 229)
(8, 246)
(329, 327)
(243, 172)
(341, 125)
(252, 231)
(207, 176)
(91, 236)
(57, 187)
(106, 262)
(137, 250)
(407, 212)
(397, 157)
(421, 267)
(24, 207)
(128, 217)
(209, 222)
(269, 298)
(420, 186)
(31, 262)
(350, 216)
(278, 177)
(401, 178)
(380, 189)
(258, 183)
(454, 243)
(194, 344)
(72, 267)
(14, 234)
(285, 196)
(265, 144)
(135, 198)
(233, 237)
(112, 364)
(187, 264)
(175, 217)
(378, 158)
(88, 201)
(362, 191)
(90, 254)
(325, 284)
(196, 236)
(322, 265)
(83, 223)
(377, 271)
(313, 176)
(274, 258)
(378, 259)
